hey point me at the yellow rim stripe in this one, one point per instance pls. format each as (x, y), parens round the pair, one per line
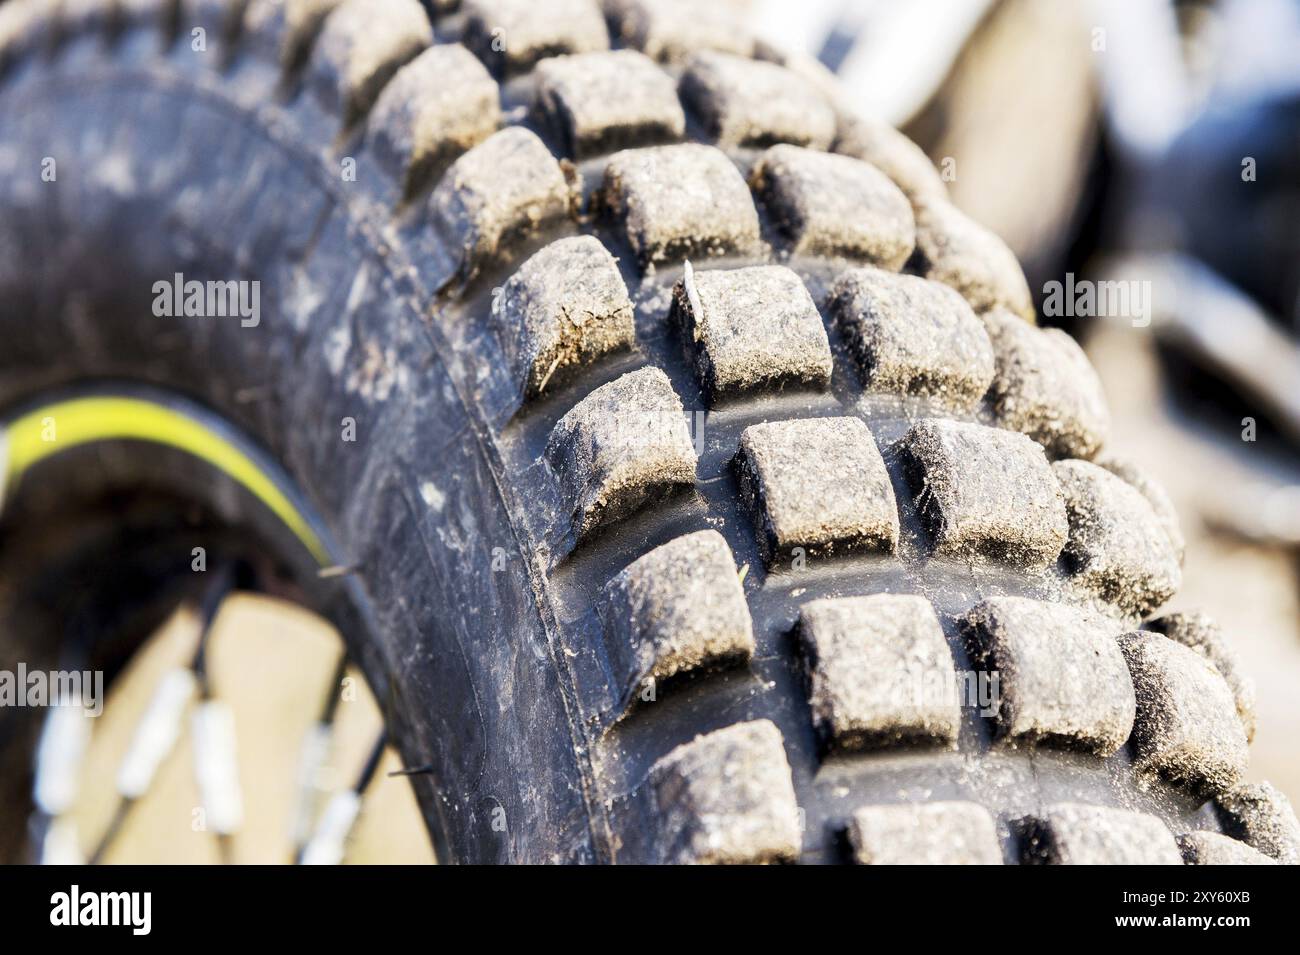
(58, 427)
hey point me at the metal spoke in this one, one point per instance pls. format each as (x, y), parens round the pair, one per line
(328, 843)
(160, 728)
(59, 756)
(320, 827)
(315, 751)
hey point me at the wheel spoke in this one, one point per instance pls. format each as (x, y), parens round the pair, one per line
(328, 843)
(160, 728)
(316, 747)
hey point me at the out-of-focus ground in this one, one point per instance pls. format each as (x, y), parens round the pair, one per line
(272, 663)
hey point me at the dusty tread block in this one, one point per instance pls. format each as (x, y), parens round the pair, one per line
(1045, 387)
(1077, 834)
(164, 14)
(24, 27)
(1156, 496)
(1187, 728)
(835, 205)
(819, 484)
(511, 36)
(437, 106)
(565, 308)
(880, 144)
(360, 47)
(15, 20)
(503, 189)
(670, 30)
(745, 102)
(1262, 817)
(41, 27)
(804, 65)
(1199, 632)
(680, 201)
(84, 17)
(755, 328)
(959, 252)
(1118, 549)
(678, 609)
(1212, 848)
(727, 797)
(623, 446)
(286, 28)
(937, 833)
(601, 102)
(912, 336)
(220, 19)
(1063, 678)
(985, 493)
(880, 671)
